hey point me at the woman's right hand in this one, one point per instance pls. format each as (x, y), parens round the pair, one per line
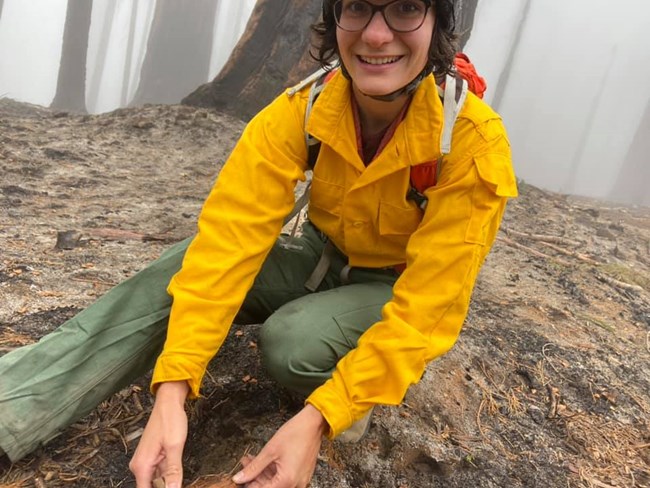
(160, 451)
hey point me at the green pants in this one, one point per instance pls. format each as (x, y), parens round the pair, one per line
(46, 386)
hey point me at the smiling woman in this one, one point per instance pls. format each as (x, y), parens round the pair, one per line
(383, 61)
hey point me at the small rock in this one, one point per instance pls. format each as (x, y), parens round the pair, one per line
(536, 414)
(67, 239)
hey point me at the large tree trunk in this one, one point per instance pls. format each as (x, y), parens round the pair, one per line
(465, 14)
(71, 85)
(504, 77)
(632, 183)
(126, 77)
(571, 183)
(178, 51)
(100, 60)
(272, 54)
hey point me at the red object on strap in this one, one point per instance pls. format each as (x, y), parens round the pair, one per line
(467, 71)
(425, 175)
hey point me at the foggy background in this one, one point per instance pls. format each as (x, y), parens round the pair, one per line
(569, 77)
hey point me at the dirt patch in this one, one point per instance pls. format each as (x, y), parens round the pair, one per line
(547, 386)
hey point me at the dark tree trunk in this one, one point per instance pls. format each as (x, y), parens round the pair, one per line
(178, 51)
(272, 54)
(126, 78)
(465, 14)
(632, 183)
(504, 77)
(71, 85)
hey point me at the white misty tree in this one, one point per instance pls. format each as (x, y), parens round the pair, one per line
(178, 51)
(71, 86)
(631, 186)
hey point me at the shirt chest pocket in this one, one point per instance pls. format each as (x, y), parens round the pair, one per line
(398, 222)
(326, 196)
(325, 204)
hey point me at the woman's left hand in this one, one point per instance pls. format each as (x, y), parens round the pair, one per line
(288, 460)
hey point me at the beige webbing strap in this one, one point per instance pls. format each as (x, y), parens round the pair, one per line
(344, 275)
(300, 204)
(323, 265)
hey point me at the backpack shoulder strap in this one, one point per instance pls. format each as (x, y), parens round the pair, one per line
(424, 176)
(453, 95)
(317, 81)
(313, 144)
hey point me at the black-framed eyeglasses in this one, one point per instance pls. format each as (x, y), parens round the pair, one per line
(400, 15)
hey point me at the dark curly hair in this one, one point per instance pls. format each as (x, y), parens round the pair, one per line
(441, 52)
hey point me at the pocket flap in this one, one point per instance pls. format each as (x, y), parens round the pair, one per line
(496, 172)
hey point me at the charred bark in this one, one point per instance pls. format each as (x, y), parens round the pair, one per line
(465, 14)
(272, 54)
(632, 182)
(71, 85)
(178, 51)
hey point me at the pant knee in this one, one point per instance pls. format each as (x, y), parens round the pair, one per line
(290, 357)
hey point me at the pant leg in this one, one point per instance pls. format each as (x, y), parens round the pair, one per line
(303, 341)
(48, 385)
(283, 275)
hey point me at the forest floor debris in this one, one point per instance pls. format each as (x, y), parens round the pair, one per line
(548, 385)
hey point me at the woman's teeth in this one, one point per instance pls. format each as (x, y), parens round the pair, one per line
(386, 60)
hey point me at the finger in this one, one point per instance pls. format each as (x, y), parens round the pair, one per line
(171, 469)
(245, 460)
(143, 470)
(253, 468)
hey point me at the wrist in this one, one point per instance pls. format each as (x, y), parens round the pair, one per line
(172, 391)
(316, 418)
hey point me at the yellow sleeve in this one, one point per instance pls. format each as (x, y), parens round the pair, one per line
(238, 225)
(431, 298)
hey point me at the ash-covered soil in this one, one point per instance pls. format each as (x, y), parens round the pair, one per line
(548, 385)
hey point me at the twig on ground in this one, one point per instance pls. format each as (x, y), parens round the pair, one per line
(121, 234)
(554, 395)
(478, 417)
(543, 238)
(573, 254)
(94, 282)
(532, 251)
(619, 284)
(548, 360)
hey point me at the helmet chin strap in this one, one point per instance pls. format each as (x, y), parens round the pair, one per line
(389, 97)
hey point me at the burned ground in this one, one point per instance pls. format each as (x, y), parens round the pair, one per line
(547, 386)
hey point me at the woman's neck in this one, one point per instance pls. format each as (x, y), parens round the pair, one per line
(376, 115)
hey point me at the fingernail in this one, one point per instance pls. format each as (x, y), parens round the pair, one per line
(238, 478)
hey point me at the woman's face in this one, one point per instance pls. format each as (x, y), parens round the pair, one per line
(380, 60)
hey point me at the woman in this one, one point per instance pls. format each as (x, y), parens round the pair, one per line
(387, 50)
(396, 287)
